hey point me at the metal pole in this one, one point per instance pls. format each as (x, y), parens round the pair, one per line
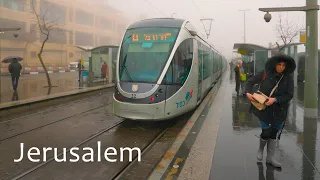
(244, 24)
(311, 63)
(296, 70)
(244, 15)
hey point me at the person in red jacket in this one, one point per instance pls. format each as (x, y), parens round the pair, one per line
(105, 71)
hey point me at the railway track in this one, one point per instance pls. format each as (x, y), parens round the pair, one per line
(11, 119)
(6, 124)
(124, 167)
(68, 150)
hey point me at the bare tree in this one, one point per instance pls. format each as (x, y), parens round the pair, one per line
(287, 32)
(46, 27)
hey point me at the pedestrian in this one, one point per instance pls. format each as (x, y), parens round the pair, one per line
(79, 69)
(105, 71)
(240, 77)
(15, 68)
(278, 70)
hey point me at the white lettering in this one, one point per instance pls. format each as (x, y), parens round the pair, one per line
(45, 153)
(30, 154)
(99, 151)
(74, 154)
(88, 154)
(56, 155)
(21, 153)
(106, 154)
(91, 154)
(130, 153)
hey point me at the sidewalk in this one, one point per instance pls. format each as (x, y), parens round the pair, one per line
(226, 144)
(33, 86)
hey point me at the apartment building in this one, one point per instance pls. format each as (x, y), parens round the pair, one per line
(86, 23)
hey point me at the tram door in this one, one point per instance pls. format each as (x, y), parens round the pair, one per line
(200, 73)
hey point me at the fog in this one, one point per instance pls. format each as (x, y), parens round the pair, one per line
(228, 25)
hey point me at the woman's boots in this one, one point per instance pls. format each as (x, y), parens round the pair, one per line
(261, 148)
(270, 156)
(271, 147)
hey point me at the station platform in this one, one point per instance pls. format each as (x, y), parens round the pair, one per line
(220, 142)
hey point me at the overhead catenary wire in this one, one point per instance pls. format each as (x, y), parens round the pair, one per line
(197, 8)
(155, 7)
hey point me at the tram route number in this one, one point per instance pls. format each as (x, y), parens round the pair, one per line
(181, 104)
(133, 96)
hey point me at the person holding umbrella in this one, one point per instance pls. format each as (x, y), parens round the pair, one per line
(278, 70)
(15, 69)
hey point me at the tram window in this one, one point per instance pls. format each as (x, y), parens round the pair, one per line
(206, 63)
(181, 64)
(200, 59)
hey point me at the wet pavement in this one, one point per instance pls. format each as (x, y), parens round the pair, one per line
(34, 85)
(80, 123)
(237, 143)
(57, 127)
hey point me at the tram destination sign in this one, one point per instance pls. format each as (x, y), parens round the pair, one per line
(151, 37)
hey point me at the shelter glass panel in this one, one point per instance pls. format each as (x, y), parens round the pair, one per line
(261, 57)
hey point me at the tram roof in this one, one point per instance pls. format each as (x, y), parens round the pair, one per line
(158, 22)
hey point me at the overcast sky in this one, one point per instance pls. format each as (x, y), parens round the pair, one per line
(228, 25)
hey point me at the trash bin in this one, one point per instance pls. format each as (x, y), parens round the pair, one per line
(84, 76)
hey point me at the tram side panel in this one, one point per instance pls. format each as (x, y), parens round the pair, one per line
(185, 79)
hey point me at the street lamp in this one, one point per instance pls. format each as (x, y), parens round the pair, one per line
(311, 60)
(244, 24)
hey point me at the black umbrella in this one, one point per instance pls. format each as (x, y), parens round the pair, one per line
(10, 59)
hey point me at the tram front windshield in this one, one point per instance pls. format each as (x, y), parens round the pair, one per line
(144, 53)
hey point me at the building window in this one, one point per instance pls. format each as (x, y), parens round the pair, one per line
(105, 40)
(53, 12)
(58, 37)
(70, 37)
(84, 18)
(105, 23)
(84, 39)
(71, 15)
(17, 5)
(33, 54)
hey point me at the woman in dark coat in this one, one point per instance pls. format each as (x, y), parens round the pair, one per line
(272, 118)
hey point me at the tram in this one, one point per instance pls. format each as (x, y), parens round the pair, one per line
(164, 69)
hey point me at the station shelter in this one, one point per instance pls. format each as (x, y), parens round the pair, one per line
(99, 64)
(255, 56)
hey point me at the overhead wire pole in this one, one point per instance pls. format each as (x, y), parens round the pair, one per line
(203, 19)
(209, 30)
(244, 24)
(311, 62)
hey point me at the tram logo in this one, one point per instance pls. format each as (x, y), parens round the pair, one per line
(189, 96)
(134, 88)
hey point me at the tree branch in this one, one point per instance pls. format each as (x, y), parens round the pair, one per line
(36, 14)
(287, 32)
